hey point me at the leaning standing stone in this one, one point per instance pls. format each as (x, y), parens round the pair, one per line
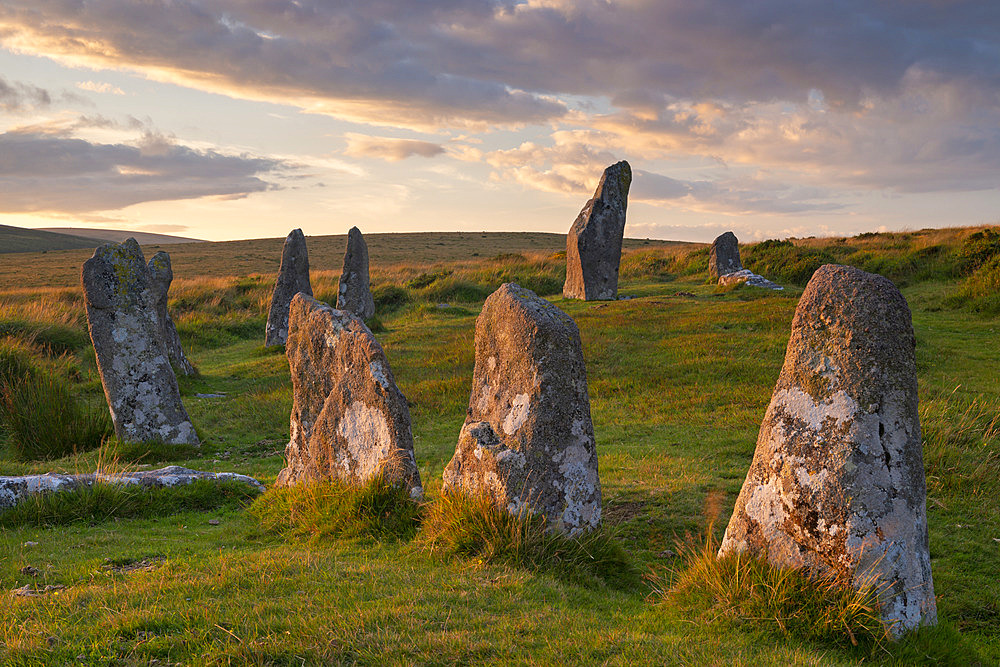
(724, 256)
(160, 277)
(355, 293)
(837, 481)
(293, 277)
(350, 421)
(528, 442)
(138, 382)
(594, 242)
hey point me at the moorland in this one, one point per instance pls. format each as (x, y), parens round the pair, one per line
(679, 376)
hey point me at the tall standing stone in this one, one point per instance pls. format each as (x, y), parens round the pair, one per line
(160, 277)
(528, 442)
(355, 294)
(724, 256)
(349, 419)
(594, 242)
(293, 277)
(138, 382)
(837, 481)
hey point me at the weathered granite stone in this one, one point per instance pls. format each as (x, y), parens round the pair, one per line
(293, 277)
(528, 442)
(750, 278)
(160, 277)
(837, 481)
(139, 383)
(724, 255)
(14, 490)
(349, 421)
(594, 242)
(355, 294)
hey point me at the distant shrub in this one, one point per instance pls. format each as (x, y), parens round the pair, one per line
(510, 257)
(207, 331)
(785, 262)
(981, 291)
(389, 298)
(979, 248)
(426, 279)
(44, 421)
(53, 337)
(325, 510)
(455, 289)
(474, 527)
(15, 361)
(101, 502)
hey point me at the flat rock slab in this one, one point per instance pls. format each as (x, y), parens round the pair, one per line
(135, 370)
(594, 241)
(750, 278)
(837, 480)
(160, 276)
(293, 277)
(528, 442)
(350, 422)
(13, 490)
(354, 294)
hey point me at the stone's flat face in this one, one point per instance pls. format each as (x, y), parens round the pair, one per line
(750, 278)
(14, 490)
(528, 441)
(138, 381)
(293, 277)
(594, 242)
(724, 256)
(355, 294)
(837, 480)
(160, 277)
(349, 419)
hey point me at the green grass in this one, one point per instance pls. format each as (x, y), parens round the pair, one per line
(474, 527)
(679, 380)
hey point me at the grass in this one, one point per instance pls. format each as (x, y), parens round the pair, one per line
(103, 502)
(474, 527)
(321, 511)
(679, 380)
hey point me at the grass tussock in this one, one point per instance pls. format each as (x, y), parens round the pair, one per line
(747, 589)
(102, 502)
(332, 509)
(961, 445)
(475, 527)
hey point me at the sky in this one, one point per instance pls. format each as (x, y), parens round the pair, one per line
(229, 119)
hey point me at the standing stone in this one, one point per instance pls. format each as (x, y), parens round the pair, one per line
(138, 382)
(837, 481)
(349, 419)
(354, 294)
(293, 277)
(160, 277)
(594, 242)
(724, 257)
(528, 442)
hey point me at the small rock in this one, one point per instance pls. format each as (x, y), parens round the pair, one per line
(31, 544)
(213, 522)
(210, 395)
(443, 306)
(666, 553)
(30, 571)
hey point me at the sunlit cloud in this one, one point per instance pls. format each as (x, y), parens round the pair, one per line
(389, 148)
(103, 88)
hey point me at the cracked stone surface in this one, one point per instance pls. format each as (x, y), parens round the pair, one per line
(837, 480)
(528, 442)
(160, 277)
(139, 383)
(354, 294)
(349, 419)
(293, 277)
(724, 255)
(750, 278)
(13, 490)
(594, 242)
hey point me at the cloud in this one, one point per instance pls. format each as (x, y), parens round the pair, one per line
(15, 96)
(94, 87)
(388, 148)
(54, 173)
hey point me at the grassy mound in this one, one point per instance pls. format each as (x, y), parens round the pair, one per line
(475, 527)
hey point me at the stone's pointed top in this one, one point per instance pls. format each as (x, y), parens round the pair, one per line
(353, 230)
(160, 270)
(837, 479)
(115, 277)
(594, 241)
(293, 277)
